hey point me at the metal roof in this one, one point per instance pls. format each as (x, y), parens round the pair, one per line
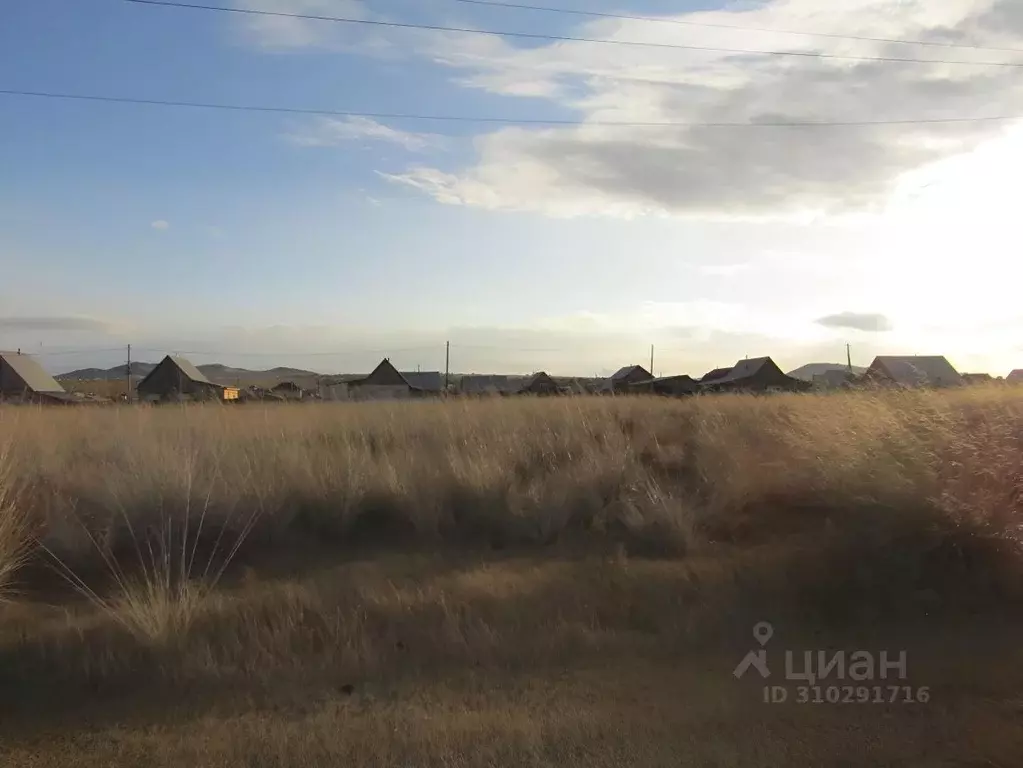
(623, 373)
(427, 381)
(189, 370)
(917, 370)
(716, 375)
(744, 369)
(30, 372)
(480, 384)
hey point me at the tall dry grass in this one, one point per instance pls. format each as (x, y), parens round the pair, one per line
(876, 494)
(15, 525)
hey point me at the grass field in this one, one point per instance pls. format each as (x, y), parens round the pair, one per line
(521, 582)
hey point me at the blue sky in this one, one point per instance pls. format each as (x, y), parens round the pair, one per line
(261, 239)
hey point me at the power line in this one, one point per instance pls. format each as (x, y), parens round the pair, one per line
(236, 353)
(738, 27)
(566, 38)
(60, 353)
(499, 120)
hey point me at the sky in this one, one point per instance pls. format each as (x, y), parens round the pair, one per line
(259, 239)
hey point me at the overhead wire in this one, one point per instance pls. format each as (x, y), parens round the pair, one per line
(736, 27)
(500, 120)
(563, 38)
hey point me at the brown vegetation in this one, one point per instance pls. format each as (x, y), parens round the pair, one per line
(510, 582)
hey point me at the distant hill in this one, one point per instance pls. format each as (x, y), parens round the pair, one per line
(105, 374)
(215, 372)
(808, 371)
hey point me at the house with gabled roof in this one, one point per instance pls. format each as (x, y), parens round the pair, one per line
(758, 374)
(23, 379)
(540, 383)
(388, 383)
(913, 371)
(625, 377)
(177, 379)
(1016, 377)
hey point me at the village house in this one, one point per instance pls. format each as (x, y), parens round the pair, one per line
(759, 374)
(490, 385)
(288, 390)
(175, 379)
(669, 386)
(625, 377)
(387, 383)
(913, 371)
(977, 378)
(23, 380)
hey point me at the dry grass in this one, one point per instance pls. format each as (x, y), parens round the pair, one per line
(281, 568)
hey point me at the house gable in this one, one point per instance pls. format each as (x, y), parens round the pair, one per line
(21, 373)
(384, 375)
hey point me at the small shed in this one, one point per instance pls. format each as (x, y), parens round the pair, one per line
(288, 390)
(977, 378)
(759, 374)
(177, 379)
(540, 384)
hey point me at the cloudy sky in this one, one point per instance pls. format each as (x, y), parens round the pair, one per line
(709, 231)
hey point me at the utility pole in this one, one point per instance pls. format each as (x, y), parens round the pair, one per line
(651, 359)
(127, 394)
(848, 356)
(447, 364)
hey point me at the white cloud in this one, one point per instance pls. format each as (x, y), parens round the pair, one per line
(329, 132)
(709, 171)
(160, 225)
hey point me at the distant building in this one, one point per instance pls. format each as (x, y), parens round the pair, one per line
(176, 379)
(540, 384)
(288, 390)
(834, 379)
(491, 384)
(22, 379)
(913, 371)
(715, 375)
(759, 374)
(670, 386)
(977, 378)
(387, 383)
(1016, 377)
(631, 374)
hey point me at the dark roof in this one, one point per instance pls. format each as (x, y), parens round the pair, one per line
(624, 373)
(917, 369)
(425, 381)
(189, 370)
(745, 369)
(29, 371)
(1016, 375)
(289, 386)
(716, 374)
(478, 384)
